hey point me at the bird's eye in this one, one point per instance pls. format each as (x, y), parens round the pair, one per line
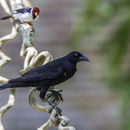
(76, 54)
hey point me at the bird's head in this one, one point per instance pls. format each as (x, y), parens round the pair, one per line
(75, 57)
(35, 11)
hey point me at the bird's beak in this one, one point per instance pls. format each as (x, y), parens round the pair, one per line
(84, 58)
(35, 13)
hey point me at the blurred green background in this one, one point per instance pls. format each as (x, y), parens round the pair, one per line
(97, 98)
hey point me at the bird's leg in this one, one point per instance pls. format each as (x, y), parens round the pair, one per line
(42, 96)
(57, 94)
(58, 110)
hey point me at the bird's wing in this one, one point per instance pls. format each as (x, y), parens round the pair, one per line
(29, 78)
(39, 74)
(23, 10)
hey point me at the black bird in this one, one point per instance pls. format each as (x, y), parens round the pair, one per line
(50, 74)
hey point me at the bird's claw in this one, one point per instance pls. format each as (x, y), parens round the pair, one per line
(57, 94)
(57, 109)
(53, 106)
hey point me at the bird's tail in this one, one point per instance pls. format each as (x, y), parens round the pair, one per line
(6, 17)
(11, 85)
(5, 86)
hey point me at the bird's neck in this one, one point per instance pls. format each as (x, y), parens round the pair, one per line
(70, 66)
(34, 16)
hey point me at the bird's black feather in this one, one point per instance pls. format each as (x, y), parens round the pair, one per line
(47, 75)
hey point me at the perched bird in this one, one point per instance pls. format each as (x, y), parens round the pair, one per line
(50, 74)
(24, 15)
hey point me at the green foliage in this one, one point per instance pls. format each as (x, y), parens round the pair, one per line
(117, 51)
(116, 48)
(95, 15)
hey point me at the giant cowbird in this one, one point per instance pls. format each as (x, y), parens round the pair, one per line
(50, 74)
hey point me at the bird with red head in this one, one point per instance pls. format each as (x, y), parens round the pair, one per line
(24, 15)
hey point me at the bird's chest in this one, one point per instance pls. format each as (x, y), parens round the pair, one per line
(68, 72)
(23, 17)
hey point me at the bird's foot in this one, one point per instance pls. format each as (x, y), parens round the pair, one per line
(58, 110)
(57, 94)
(52, 101)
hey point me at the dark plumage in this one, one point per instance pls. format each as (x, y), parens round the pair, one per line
(48, 75)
